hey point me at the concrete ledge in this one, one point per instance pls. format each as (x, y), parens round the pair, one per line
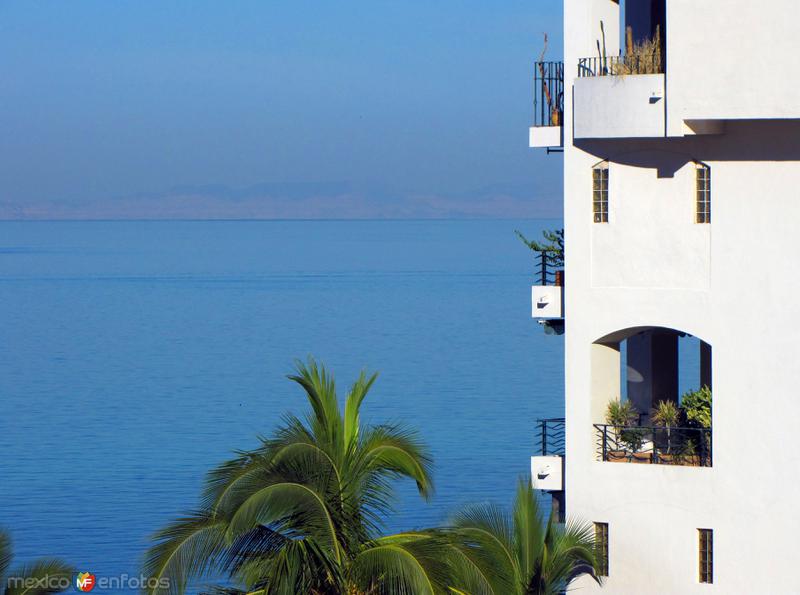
(547, 473)
(629, 106)
(547, 301)
(546, 136)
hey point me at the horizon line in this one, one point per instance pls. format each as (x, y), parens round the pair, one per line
(259, 219)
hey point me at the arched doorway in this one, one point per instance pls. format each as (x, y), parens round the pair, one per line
(651, 395)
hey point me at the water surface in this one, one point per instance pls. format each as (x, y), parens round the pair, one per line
(136, 355)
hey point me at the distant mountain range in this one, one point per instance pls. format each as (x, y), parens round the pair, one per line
(294, 200)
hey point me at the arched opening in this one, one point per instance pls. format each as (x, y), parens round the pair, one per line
(651, 396)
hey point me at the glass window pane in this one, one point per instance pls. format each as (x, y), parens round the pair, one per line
(600, 193)
(703, 192)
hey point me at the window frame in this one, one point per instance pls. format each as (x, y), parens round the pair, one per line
(705, 556)
(600, 180)
(702, 202)
(601, 547)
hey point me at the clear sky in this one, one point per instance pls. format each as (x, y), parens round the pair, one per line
(193, 108)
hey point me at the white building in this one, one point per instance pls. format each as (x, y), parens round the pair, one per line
(682, 217)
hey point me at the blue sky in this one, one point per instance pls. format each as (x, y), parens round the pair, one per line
(273, 109)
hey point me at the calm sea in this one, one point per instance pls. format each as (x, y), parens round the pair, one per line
(137, 355)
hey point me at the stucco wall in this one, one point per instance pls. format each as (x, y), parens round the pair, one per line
(737, 294)
(619, 106)
(733, 284)
(651, 239)
(732, 60)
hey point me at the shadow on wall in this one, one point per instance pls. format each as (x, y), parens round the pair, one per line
(742, 140)
(643, 365)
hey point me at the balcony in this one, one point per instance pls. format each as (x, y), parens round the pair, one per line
(547, 468)
(655, 445)
(551, 436)
(547, 297)
(548, 105)
(620, 97)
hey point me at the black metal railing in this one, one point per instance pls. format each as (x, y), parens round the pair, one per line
(550, 436)
(548, 93)
(549, 268)
(656, 445)
(621, 65)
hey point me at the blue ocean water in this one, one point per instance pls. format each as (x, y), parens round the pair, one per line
(137, 355)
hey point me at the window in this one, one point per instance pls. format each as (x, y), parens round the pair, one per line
(601, 547)
(703, 211)
(706, 555)
(600, 193)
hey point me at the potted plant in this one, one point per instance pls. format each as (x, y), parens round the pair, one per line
(688, 454)
(633, 439)
(666, 414)
(553, 105)
(696, 405)
(619, 415)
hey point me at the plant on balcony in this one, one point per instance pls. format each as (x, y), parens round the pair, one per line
(553, 105)
(601, 51)
(620, 415)
(552, 246)
(642, 57)
(687, 453)
(696, 406)
(667, 415)
(633, 440)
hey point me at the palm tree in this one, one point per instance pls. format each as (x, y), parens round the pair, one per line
(496, 553)
(43, 576)
(302, 513)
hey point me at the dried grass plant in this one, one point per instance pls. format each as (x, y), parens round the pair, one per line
(643, 57)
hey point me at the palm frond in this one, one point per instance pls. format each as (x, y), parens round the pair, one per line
(300, 566)
(403, 564)
(42, 577)
(352, 407)
(260, 543)
(471, 575)
(295, 514)
(223, 480)
(518, 553)
(284, 461)
(320, 389)
(399, 451)
(571, 553)
(488, 527)
(6, 552)
(301, 454)
(217, 590)
(280, 501)
(529, 532)
(184, 550)
(484, 534)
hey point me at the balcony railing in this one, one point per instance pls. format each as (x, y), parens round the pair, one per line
(625, 64)
(547, 296)
(550, 436)
(654, 445)
(549, 268)
(548, 94)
